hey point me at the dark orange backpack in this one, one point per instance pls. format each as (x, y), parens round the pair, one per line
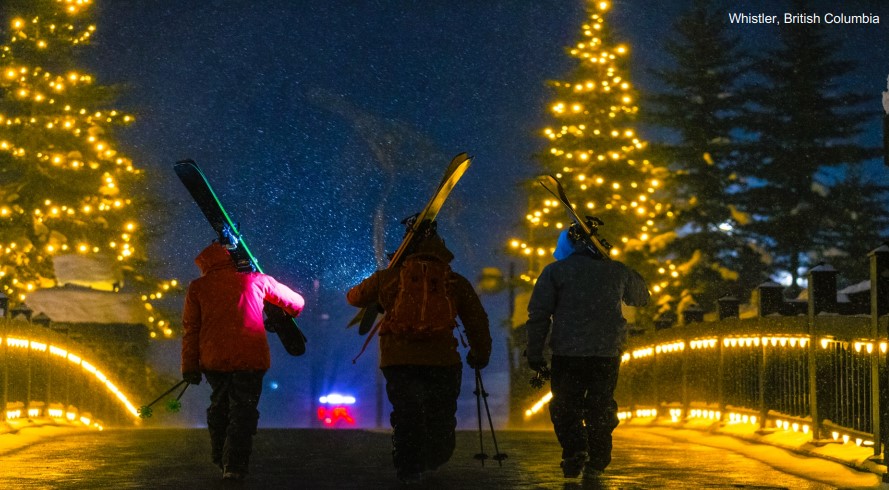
(422, 305)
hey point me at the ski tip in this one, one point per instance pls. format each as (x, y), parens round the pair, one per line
(461, 158)
(186, 161)
(549, 182)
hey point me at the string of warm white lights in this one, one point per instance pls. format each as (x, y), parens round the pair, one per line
(595, 152)
(70, 178)
(862, 347)
(75, 360)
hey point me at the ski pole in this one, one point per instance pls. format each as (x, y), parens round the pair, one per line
(481, 456)
(497, 454)
(183, 391)
(145, 410)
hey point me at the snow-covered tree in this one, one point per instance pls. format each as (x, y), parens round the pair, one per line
(699, 104)
(804, 123)
(853, 223)
(65, 186)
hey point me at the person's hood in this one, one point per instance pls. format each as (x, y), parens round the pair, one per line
(214, 257)
(434, 246)
(565, 246)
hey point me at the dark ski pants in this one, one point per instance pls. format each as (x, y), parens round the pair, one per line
(424, 414)
(232, 417)
(583, 409)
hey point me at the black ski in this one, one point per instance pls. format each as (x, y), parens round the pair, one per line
(588, 228)
(277, 320)
(367, 316)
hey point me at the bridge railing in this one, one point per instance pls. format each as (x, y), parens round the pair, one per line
(815, 366)
(44, 374)
(759, 369)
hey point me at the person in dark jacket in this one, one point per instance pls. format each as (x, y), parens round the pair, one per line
(577, 301)
(225, 339)
(423, 371)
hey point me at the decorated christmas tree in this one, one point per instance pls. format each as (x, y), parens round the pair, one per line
(65, 185)
(597, 154)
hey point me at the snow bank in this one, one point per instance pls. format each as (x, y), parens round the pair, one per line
(839, 465)
(76, 304)
(16, 434)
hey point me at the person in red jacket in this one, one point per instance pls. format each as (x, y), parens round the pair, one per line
(225, 339)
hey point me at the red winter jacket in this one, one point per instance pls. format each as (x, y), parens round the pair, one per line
(222, 320)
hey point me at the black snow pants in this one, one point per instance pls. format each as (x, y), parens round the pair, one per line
(583, 409)
(232, 417)
(424, 415)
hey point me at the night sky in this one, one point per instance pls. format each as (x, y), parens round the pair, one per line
(245, 88)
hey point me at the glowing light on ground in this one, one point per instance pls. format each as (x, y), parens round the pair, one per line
(539, 405)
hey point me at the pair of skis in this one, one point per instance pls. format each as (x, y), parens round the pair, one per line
(229, 235)
(459, 164)
(276, 319)
(588, 229)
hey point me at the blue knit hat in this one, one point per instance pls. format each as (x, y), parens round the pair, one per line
(565, 246)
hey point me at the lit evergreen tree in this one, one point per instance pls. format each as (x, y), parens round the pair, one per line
(63, 181)
(596, 153)
(803, 123)
(700, 105)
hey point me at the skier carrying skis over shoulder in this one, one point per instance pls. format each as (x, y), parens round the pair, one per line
(579, 297)
(224, 338)
(422, 297)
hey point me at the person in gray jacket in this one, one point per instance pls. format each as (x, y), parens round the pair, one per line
(579, 298)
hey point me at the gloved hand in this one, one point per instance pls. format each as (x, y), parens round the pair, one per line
(192, 378)
(473, 362)
(541, 372)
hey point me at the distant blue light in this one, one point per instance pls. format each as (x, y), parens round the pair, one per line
(273, 385)
(336, 399)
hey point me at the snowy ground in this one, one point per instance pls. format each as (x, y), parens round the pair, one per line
(19, 433)
(790, 452)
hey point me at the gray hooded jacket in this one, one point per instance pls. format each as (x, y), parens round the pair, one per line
(580, 298)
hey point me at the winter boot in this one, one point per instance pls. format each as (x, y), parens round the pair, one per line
(572, 466)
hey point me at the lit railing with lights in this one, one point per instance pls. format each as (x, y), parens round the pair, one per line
(46, 376)
(730, 375)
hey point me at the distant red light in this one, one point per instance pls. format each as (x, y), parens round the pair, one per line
(333, 415)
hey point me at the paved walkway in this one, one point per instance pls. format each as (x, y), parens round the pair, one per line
(346, 459)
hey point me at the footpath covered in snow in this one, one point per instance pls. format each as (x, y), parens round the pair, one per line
(20, 433)
(791, 452)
